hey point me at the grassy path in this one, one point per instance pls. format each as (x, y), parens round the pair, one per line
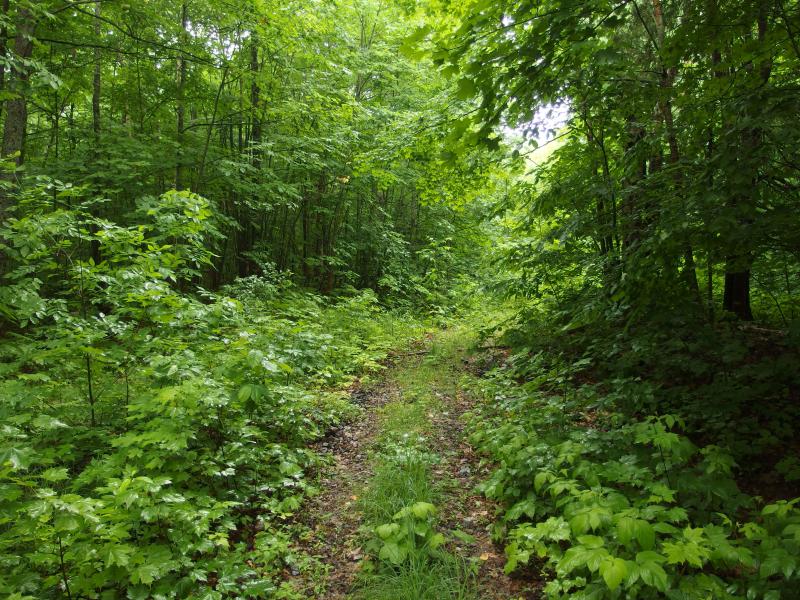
(397, 518)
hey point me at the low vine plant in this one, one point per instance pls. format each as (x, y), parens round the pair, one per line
(612, 508)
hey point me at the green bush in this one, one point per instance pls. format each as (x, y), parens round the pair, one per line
(615, 507)
(154, 441)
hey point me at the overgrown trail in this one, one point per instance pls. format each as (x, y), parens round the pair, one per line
(408, 449)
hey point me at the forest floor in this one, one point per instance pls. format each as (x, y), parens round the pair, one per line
(415, 409)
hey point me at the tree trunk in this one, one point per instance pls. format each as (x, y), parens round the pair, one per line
(736, 297)
(255, 102)
(17, 107)
(737, 292)
(16, 120)
(306, 237)
(3, 48)
(96, 126)
(253, 140)
(201, 169)
(668, 75)
(635, 172)
(181, 106)
(96, 78)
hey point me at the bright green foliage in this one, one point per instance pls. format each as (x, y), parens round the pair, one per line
(611, 503)
(677, 159)
(410, 532)
(317, 141)
(420, 579)
(173, 171)
(637, 249)
(401, 477)
(153, 441)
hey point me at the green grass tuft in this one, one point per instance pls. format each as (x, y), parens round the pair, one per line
(399, 480)
(421, 578)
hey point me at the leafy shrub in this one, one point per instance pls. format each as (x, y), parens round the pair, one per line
(153, 441)
(613, 506)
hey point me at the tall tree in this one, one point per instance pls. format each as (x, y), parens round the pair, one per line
(180, 101)
(16, 120)
(669, 97)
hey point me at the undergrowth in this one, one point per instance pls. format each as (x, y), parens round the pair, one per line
(155, 442)
(611, 501)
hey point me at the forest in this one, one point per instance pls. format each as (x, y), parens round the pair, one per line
(400, 299)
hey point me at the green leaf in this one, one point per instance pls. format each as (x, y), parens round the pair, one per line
(409, 46)
(591, 541)
(653, 575)
(466, 89)
(685, 552)
(290, 468)
(572, 559)
(18, 458)
(138, 592)
(394, 553)
(145, 574)
(613, 570)
(579, 523)
(66, 522)
(649, 556)
(595, 558)
(792, 531)
(463, 536)
(645, 534)
(626, 529)
(47, 422)
(55, 474)
(116, 554)
(423, 510)
(778, 561)
(387, 530)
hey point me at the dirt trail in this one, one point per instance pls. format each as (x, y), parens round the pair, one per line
(333, 518)
(468, 511)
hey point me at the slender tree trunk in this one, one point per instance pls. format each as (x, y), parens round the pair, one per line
(306, 237)
(736, 297)
(247, 221)
(712, 14)
(602, 228)
(181, 105)
(255, 103)
(3, 49)
(201, 169)
(668, 75)
(96, 124)
(17, 107)
(96, 78)
(635, 171)
(710, 286)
